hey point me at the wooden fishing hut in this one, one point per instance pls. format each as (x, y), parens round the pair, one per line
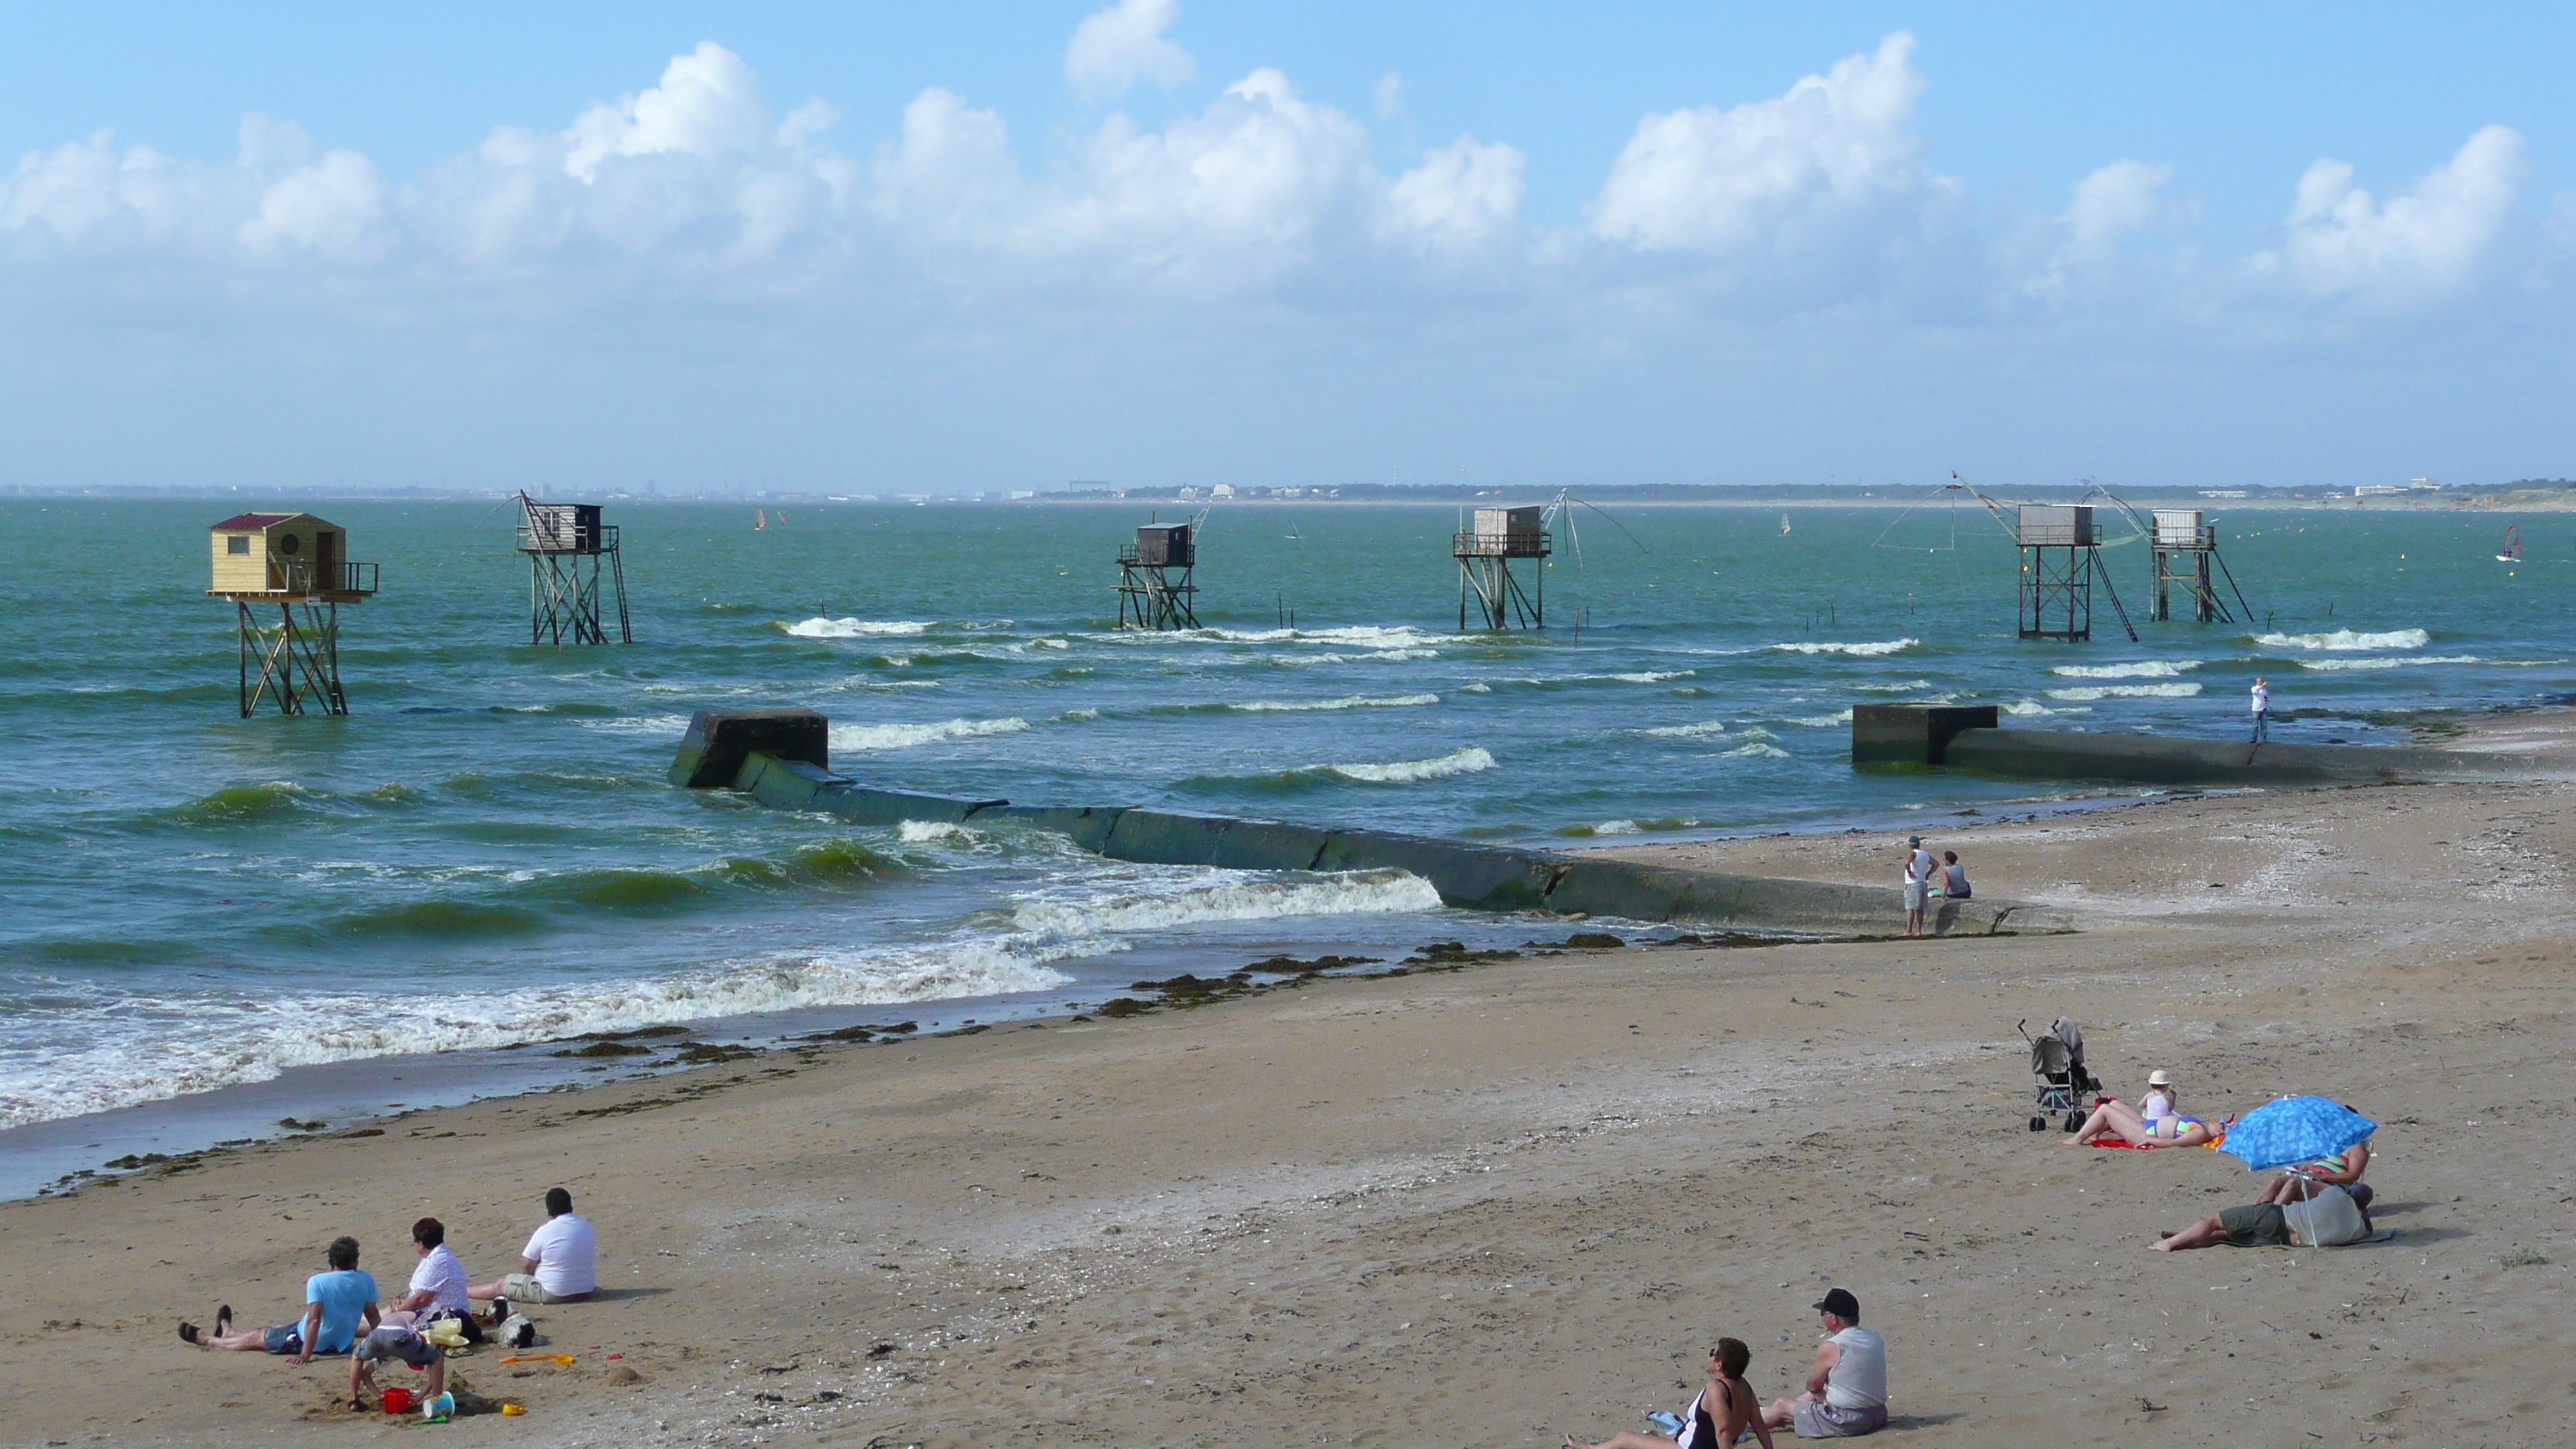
(1157, 578)
(2061, 560)
(1484, 553)
(299, 564)
(2183, 548)
(570, 552)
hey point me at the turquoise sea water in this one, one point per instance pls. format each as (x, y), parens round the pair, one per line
(485, 854)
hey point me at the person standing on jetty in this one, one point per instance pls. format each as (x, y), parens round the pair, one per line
(2262, 711)
(1919, 870)
(1846, 1393)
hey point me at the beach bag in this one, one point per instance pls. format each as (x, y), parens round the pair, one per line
(519, 1331)
(2328, 1219)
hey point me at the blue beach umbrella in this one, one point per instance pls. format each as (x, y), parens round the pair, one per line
(2295, 1129)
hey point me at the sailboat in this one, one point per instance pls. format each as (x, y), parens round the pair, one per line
(2512, 550)
(1784, 523)
(760, 518)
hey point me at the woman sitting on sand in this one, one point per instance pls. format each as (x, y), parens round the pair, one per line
(1735, 1413)
(2341, 1169)
(2157, 1124)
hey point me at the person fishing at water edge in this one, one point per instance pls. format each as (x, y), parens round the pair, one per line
(2262, 711)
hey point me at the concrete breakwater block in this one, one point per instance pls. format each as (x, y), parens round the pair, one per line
(711, 753)
(797, 776)
(1476, 877)
(1913, 734)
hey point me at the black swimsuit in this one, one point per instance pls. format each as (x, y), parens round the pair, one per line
(1703, 1429)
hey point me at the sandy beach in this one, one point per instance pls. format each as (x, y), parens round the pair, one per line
(1496, 1204)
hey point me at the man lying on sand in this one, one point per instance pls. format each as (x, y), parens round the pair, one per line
(1724, 1412)
(335, 1303)
(559, 1265)
(2157, 1124)
(1846, 1393)
(2335, 1220)
(397, 1336)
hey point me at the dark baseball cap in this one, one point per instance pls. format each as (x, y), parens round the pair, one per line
(1840, 1304)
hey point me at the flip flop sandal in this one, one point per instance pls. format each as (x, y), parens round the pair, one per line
(188, 1333)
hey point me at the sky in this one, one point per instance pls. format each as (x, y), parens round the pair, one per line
(980, 246)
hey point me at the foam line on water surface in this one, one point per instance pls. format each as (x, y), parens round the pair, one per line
(863, 738)
(822, 628)
(2343, 639)
(2139, 669)
(1862, 650)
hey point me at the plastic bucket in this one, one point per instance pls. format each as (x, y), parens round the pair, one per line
(397, 1401)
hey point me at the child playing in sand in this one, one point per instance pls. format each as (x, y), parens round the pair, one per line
(1723, 1413)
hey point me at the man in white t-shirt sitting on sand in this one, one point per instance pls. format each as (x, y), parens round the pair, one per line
(558, 1265)
(1846, 1395)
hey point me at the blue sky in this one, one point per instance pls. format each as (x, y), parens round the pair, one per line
(1310, 243)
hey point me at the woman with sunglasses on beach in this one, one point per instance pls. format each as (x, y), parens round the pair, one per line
(1724, 1412)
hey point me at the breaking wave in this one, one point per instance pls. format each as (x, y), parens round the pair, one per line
(2129, 691)
(1688, 731)
(821, 628)
(2389, 662)
(906, 736)
(1884, 646)
(2347, 639)
(1348, 701)
(2143, 669)
(1462, 762)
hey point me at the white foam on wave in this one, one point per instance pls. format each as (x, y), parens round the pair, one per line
(1900, 686)
(254, 1037)
(1404, 772)
(2034, 707)
(2385, 661)
(822, 628)
(906, 736)
(1348, 701)
(1379, 655)
(2184, 690)
(2141, 669)
(1754, 750)
(1688, 731)
(1651, 676)
(1822, 721)
(201, 1045)
(2346, 639)
(1883, 646)
(1356, 893)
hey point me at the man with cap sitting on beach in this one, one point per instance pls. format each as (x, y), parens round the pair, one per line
(1846, 1394)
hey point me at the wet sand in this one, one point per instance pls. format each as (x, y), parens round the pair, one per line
(1492, 1205)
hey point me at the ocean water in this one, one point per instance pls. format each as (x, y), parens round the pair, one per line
(485, 854)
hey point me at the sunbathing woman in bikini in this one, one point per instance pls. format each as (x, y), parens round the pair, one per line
(2159, 1125)
(1723, 1413)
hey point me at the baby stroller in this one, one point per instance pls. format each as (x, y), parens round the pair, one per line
(2057, 1059)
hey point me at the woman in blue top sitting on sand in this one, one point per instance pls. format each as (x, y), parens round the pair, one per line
(2156, 1124)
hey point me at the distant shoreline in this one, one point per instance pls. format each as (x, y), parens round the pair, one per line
(2526, 500)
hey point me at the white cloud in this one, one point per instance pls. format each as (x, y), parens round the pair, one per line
(708, 104)
(331, 206)
(2417, 245)
(1835, 150)
(1390, 95)
(1113, 49)
(1461, 193)
(2114, 201)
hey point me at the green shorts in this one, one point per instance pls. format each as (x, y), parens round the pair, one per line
(2255, 1225)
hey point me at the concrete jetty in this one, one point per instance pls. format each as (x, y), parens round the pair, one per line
(1968, 737)
(782, 757)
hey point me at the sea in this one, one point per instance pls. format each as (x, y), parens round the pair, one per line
(219, 929)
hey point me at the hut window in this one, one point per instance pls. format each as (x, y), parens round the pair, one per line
(237, 544)
(287, 544)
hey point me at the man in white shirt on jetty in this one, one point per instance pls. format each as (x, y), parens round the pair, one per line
(559, 1264)
(1846, 1395)
(2262, 711)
